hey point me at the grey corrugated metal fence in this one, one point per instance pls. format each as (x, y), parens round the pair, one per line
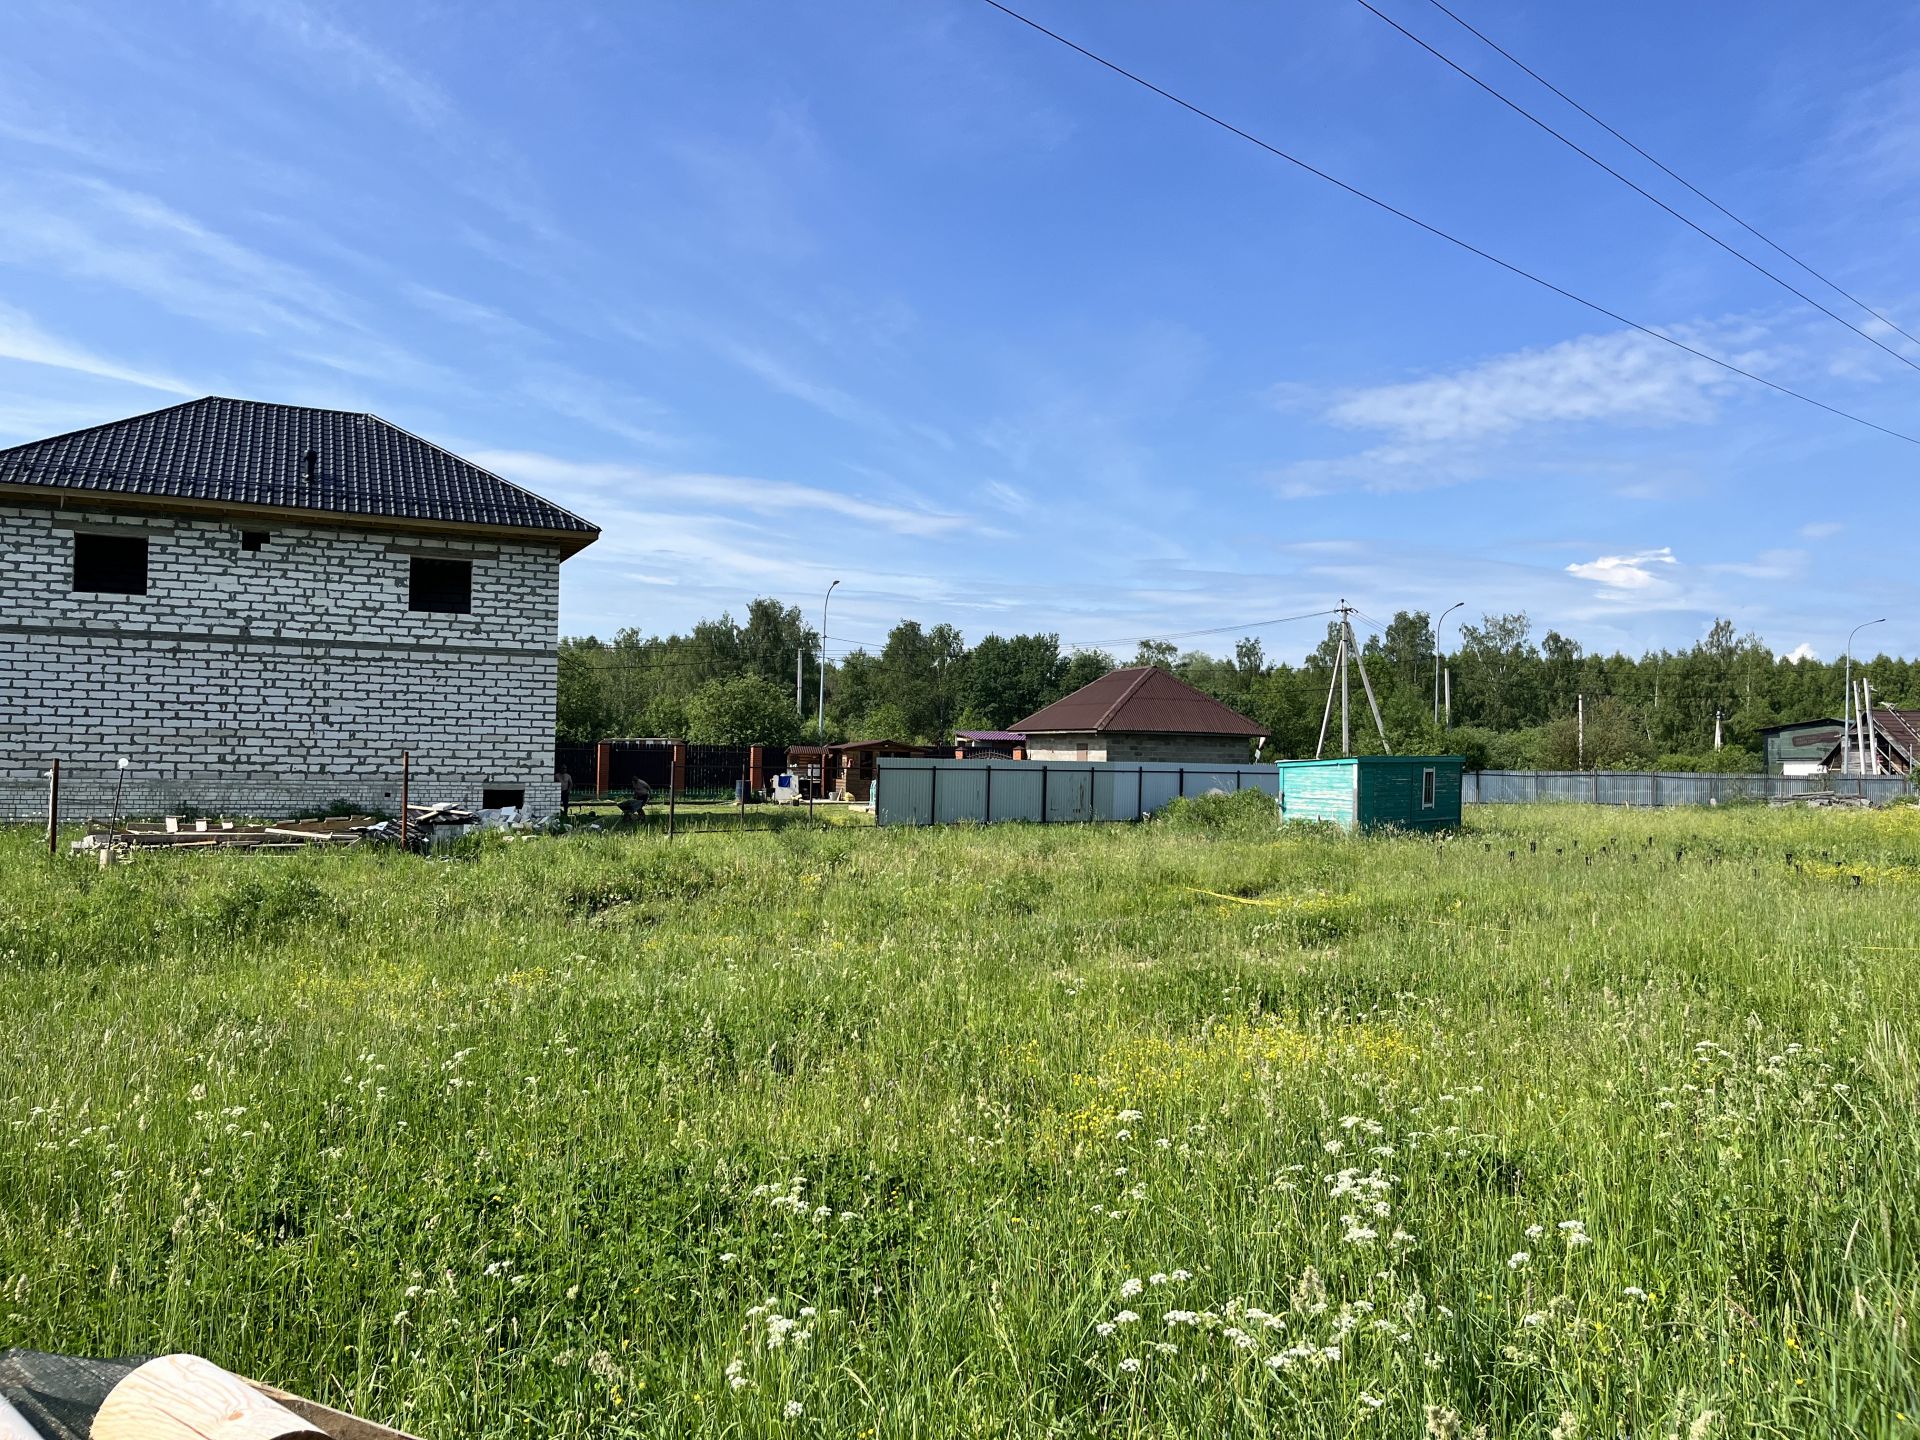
(947, 792)
(1663, 787)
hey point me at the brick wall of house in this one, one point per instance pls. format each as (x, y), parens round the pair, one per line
(271, 681)
(1142, 746)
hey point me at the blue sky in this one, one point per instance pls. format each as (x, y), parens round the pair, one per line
(906, 295)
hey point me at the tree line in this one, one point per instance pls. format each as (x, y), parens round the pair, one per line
(1516, 701)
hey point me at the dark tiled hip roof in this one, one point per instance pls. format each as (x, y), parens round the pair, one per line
(252, 453)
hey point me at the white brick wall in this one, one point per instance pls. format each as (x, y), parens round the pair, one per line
(1140, 745)
(270, 681)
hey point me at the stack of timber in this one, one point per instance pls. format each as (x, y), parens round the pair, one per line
(177, 834)
(175, 1397)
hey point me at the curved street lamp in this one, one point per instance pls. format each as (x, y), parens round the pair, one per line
(823, 668)
(1846, 709)
(1436, 655)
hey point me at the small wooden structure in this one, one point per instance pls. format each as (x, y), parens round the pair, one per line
(1372, 792)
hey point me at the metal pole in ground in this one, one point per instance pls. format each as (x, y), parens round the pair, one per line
(53, 808)
(406, 794)
(673, 793)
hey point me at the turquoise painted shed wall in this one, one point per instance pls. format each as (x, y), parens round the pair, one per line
(1373, 791)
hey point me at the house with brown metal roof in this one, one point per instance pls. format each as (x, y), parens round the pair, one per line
(1140, 713)
(256, 609)
(1884, 741)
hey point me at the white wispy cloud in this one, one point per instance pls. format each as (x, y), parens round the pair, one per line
(351, 57)
(1821, 529)
(1802, 651)
(1634, 573)
(723, 493)
(1778, 564)
(22, 339)
(1624, 377)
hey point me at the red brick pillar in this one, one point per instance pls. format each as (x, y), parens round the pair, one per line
(602, 768)
(756, 768)
(679, 767)
(1019, 752)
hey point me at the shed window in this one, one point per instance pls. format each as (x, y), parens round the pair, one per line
(442, 586)
(253, 539)
(492, 799)
(1426, 788)
(110, 564)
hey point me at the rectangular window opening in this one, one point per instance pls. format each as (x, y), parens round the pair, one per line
(500, 799)
(1426, 788)
(443, 587)
(110, 564)
(253, 539)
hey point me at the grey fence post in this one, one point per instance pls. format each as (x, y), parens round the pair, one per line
(1653, 794)
(1043, 794)
(933, 794)
(986, 817)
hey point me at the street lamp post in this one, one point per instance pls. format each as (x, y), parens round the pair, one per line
(823, 669)
(1848, 716)
(1436, 656)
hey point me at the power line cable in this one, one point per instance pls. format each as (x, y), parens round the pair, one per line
(1193, 634)
(1668, 171)
(1632, 184)
(1448, 236)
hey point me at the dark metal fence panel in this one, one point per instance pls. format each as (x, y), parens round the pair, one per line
(1651, 788)
(947, 792)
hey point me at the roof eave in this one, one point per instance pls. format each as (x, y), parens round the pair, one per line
(569, 542)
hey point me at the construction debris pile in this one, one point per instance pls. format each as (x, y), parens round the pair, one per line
(173, 1397)
(1825, 800)
(424, 823)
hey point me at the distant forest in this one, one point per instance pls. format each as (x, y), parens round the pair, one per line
(1514, 696)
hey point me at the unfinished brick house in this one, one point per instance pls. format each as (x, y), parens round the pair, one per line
(259, 607)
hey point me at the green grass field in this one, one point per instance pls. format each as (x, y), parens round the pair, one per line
(1580, 1123)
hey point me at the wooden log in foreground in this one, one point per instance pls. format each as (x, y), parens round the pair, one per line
(182, 1397)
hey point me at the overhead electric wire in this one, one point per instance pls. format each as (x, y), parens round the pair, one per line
(1192, 634)
(1632, 184)
(1668, 170)
(1448, 236)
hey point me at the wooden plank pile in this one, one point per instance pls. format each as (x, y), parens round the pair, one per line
(174, 1397)
(174, 833)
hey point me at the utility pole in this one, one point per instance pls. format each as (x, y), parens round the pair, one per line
(1436, 656)
(1851, 720)
(1580, 728)
(1716, 729)
(823, 668)
(800, 681)
(1348, 646)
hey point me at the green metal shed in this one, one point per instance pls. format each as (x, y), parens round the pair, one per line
(1369, 792)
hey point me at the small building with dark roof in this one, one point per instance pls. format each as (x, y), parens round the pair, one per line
(1884, 741)
(1140, 713)
(1801, 748)
(258, 607)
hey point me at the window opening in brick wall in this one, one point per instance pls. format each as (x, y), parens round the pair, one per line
(492, 799)
(110, 564)
(253, 539)
(442, 586)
